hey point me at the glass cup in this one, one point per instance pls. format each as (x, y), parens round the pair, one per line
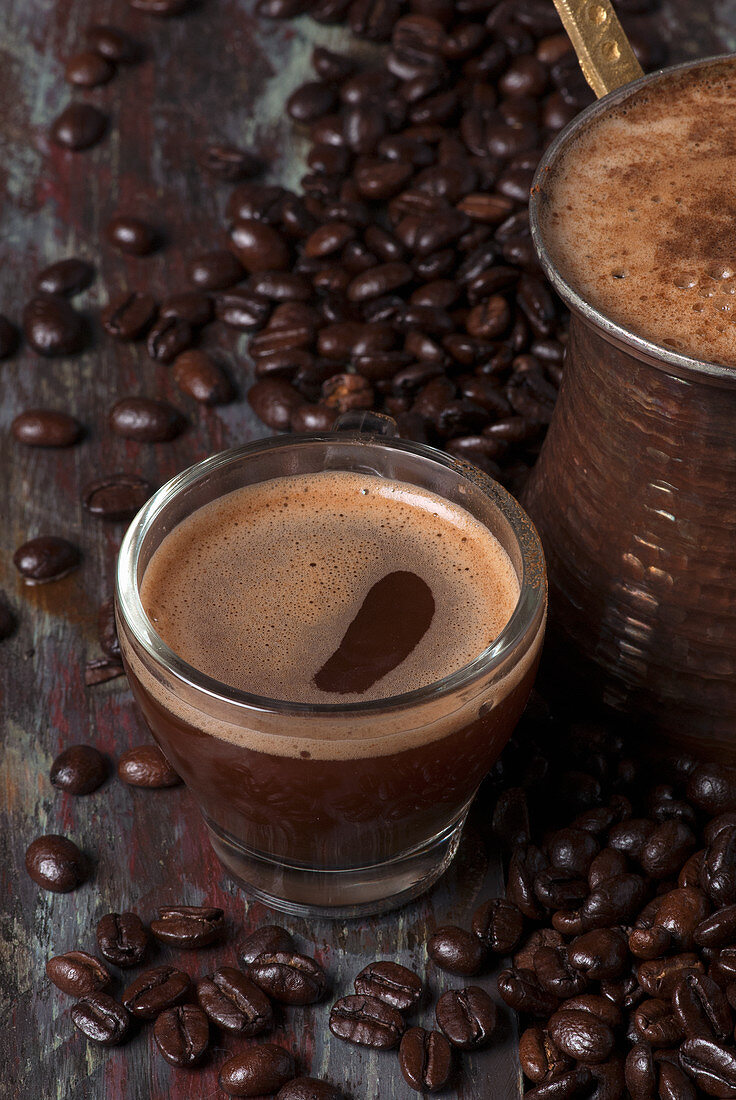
(333, 809)
(633, 496)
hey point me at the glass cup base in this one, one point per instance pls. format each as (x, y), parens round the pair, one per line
(343, 893)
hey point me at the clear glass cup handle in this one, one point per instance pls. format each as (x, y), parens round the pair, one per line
(361, 420)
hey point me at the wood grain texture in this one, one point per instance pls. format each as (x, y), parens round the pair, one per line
(215, 74)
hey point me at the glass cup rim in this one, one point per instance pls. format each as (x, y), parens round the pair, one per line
(531, 602)
(665, 358)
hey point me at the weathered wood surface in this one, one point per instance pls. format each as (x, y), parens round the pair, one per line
(218, 73)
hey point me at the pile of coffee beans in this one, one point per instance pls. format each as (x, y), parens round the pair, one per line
(240, 1002)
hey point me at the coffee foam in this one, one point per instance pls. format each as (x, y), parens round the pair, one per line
(639, 217)
(331, 736)
(257, 588)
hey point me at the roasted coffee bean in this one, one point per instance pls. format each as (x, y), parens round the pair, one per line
(45, 559)
(367, 1021)
(712, 787)
(270, 939)
(122, 939)
(145, 420)
(712, 1066)
(390, 982)
(679, 913)
(343, 392)
(542, 937)
(568, 1086)
(112, 43)
(66, 277)
(146, 766)
(657, 1024)
(101, 1019)
(274, 401)
(349, 338)
(556, 974)
(169, 337)
(718, 872)
(182, 1035)
(191, 306)
(52, 326)
(79, 126)
(499, 925)
(660, 976)
(8, 337)
(701, 1008)
(601, 953)
(229, 163)
(525, 864)
(311, 100)
(132, 235)
(198, 375)
(234, 1002)
(614, 900)
(117, 496)
(129, 316)
(88, 69)
(309, 1088)
(312, 418)
(540, 1057)
(328, 239)
(289, 978)
(259, 1071)
(259, 247)
(80, 769)
(467, 1017)
(56, 863)
(156, 989)
(641, 1072)
(666, 849)
(425, 1058)
(572, 850)
(281, 286)
(455, 949)
(673, 1084)
(598, 1005)
(78, 973)
(717, 930)
(215, 270)
(46, 428)
(521, 991)
(555, 888)
(581, 1036)
(242, 308)
(189, 926)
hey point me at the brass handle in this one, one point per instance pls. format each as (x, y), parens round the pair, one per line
(603, 50)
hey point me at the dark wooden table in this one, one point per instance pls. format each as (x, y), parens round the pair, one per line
(218, 73)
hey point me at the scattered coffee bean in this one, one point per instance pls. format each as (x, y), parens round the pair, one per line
(56, 863)
(189, 926)
(52, 326)
(309, 1088)
(146, 766)
(182, 1035)
(467, 1017)
(159, 988)
(79, 126)
(260, 1071)
(234, 1002)
(46, 428)
(274, 401)
(101, 1019)
(270, 939)
(116, 497)
(216, 270)
(132, 235)
(78, 973)
(145, 420)
(242, 308)
(65, 277)
(122, 939)
(366, 1021)
(499, 925)
(390, 982)
(227, 162)
(191, 306)
(169, 337)
(711, 1066)
(47, 558)
(289, 978)
(129, 316)
(80, 769)
(112, 43)
(454, 949)
(259, 247)
(425, 1058)
(88, 69)
(198, 375)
